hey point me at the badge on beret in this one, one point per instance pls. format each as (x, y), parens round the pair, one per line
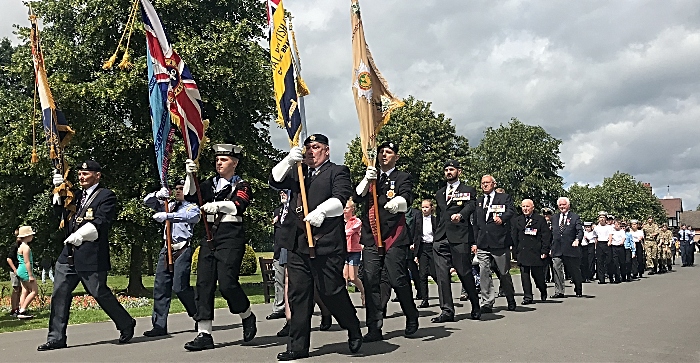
(312, 137)
(84, 166)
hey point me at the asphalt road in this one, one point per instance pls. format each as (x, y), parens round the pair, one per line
(651, 320)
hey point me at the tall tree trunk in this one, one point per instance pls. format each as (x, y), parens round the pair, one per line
(149, 260)
(135, 287)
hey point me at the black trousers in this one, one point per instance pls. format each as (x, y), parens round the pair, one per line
(585, 272)
(627, 273)
(618, 262)
(548, 268)
(426, 267)
(382, 274)
(95, 283)
(325, 274)
(537, 273)
(222, 265)
(167, 282)
(457, 255)
(604, 260)
(641, 262)
(413, 273)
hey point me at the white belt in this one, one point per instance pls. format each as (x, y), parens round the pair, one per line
(226, 218)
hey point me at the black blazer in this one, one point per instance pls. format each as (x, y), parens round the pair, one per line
(331, 181)
(91, 256)
(464, 204)
(489, 235)
(418, 244)
(398, 183)
(276, 235)
(529, 247)
(562, 239)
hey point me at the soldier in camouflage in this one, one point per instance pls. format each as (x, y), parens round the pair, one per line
(651, 248)
(665, 240)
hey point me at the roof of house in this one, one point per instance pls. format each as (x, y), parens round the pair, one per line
(690, 218)
(672, 205)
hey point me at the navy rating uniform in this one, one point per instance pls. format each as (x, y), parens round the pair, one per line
(381, 273)
(225, 201)
(182, 216)
(328, 188)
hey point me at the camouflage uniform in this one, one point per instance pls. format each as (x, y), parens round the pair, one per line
(665, 240)
(651, 249)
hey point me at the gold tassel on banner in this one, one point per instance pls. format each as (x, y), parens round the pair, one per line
(129, 28)
(35, 157)
(126, 61)
(109, 63)
(52, 153)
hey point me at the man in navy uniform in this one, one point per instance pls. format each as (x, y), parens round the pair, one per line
(328, 188)
(226, 197)
(531, 236)
(182, 216)
(394, 194)
(453, 242)
(567, 233)
(85, 256)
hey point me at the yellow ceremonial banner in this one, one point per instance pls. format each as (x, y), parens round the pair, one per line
(373, 100)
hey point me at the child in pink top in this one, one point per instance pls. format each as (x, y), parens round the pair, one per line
(353, 225)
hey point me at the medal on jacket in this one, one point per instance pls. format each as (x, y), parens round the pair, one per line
(88, 215)
(391, 193)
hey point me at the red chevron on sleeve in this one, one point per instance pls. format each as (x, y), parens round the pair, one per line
(243, 194)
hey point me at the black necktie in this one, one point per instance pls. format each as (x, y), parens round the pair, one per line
(311, 172)
(488, 201)
(83, 199)
(561, 222)
(382, 179)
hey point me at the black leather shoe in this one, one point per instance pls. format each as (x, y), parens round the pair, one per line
(443, 318)
(602, 282)
(578, 294)
(527, 302)
(475, 315)
(201, 342)
(418, 297)
(511, 306)
(51, 345)
(288, 355)
(463, 298)
(543, 297)
(155, 332)
(500, 294)
(128, 333)
(374, 335)
(354, 345)
(486, 310)
(250, 328)
(284, 332)
(557, 296)
(424, 304)
(411, 327)
(326, 322)
(275, 315)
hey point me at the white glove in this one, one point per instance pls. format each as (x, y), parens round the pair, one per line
(282, 168)
(330, 208)
(57, 179)
(191, 166)
(225, 206)
(363, 187)
(87, 232)
(160, 217)
(163, 193)
(396, 204)
(210, 208)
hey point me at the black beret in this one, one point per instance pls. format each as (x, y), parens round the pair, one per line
(90, 165)
(388, 144)
(316, 138)
(180, 182)
(453, 163)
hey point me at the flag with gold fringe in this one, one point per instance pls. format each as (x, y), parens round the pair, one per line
(287, 96)
(58, 133)
(373, 100)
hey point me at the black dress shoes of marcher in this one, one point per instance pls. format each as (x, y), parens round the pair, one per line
(373, 335)
(443, 318)
(51, 345)
(511, 306)
(424, 304)
(284, 332)
(486, 310)
(286, 356)
(201, 342)
(527, 302)
(543, 297)
(326, 322)
(128, 333)
(275, 315)
(578, 294)
(249, 328)
(475, 314)
(411, 326)
(557, 296)
(155, 332)
(354, 345)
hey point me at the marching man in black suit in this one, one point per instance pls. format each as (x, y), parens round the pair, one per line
(453, 241)
(567, 232)
(85, 256)
(423, 248)
(531, 237)
(328, 188)
(492, 228)
(394, 195)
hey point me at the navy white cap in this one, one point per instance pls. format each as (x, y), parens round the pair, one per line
(235, 151)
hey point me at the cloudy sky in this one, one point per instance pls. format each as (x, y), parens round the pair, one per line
(617, 81)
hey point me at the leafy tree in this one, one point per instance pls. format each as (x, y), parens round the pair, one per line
(524, 160)
(426, 141)
(620, 195)
(219, 40)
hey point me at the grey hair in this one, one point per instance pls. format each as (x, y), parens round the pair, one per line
(564, 199)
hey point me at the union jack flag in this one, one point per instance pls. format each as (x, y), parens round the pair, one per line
(171, 88)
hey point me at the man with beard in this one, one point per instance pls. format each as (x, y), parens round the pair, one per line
(531, 236)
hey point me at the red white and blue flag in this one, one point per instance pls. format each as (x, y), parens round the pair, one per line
(174, 96)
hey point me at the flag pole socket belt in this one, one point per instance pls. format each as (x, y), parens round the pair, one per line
(226, 218)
